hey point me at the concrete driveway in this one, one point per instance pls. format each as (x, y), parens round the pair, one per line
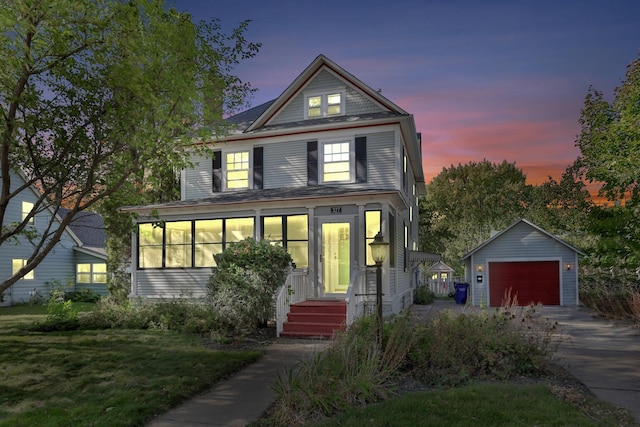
(603, 354)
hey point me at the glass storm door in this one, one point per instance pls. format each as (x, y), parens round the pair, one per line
(336, 257)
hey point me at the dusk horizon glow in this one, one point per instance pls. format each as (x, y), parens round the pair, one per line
(496, 80)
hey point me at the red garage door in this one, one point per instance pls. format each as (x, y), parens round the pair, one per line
(532, 281)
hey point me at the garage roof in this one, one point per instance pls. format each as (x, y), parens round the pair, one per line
(530, 224)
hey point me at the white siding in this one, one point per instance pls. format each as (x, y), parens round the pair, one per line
(381, 158)
(169, 283)
(285, 165)
(355, 102)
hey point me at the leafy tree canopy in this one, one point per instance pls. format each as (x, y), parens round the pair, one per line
(98, 96)
(609, 141)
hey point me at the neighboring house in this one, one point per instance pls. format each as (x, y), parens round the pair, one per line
(525, 261)
(320, 170)
(64, 266)
(91, 254)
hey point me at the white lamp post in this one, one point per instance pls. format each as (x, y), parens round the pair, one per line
(379, 253)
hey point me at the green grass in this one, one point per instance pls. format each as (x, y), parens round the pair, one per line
(474, 405)
(100, 378)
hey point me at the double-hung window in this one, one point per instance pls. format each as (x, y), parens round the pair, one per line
(336, 162)
(26, 210)
(237, 170)
(324, 105)
(91, 272)
(17, 264)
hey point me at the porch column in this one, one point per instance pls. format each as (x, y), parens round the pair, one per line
(312, 275)
(258, 235)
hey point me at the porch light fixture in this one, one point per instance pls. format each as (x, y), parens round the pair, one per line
(379, 253)
(479, 268)
(568, 266)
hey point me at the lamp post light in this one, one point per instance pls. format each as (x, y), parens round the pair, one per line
(379, 253)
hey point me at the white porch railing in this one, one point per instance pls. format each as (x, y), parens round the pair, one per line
(293, 291)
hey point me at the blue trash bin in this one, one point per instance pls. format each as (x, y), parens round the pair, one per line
(461, 293)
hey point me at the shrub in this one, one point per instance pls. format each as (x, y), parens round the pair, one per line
(243, 285)
(61, 316)
(353, 371)
(453, 349)
(424, 296)
(181, 315)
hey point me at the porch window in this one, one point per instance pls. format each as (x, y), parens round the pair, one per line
(150, 245)
(178, 244)
(208, 242)
(372, 221)
(187, 244)
(26, 210)
(290, 231)
(237, 171)
(336, 162)
(17, 264)
(91, 273)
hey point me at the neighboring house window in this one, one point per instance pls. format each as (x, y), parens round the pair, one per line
(404, 170)
(372, 224)
(324, 105)
(91, 273)
(237, 170)
(17, 264)
(336, 162)
(26, 210)
(186, 244)
(290, 231)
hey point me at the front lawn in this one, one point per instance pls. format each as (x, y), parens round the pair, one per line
(100, 378)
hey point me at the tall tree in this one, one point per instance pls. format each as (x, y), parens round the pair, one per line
(609, 141)
(95, 94)
(560, 207)
(464, 204)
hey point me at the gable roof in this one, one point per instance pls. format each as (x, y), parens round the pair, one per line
(88, 227)
(320, 63)
(530, 224)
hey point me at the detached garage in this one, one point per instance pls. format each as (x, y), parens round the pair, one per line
(525, 262)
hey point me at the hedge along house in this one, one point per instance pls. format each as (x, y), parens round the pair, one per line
(526, 262)
(320, 170)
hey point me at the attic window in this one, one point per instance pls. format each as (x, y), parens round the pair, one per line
(324, 105)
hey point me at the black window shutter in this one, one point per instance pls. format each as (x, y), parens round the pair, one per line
(258, 153)
(361, 159)
(217, 171)
(312, 163)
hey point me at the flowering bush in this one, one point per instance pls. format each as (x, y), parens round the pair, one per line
(243, 285)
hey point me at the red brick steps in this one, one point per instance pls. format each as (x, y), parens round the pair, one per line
(315, 319)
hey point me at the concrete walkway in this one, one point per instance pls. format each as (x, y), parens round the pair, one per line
(604, 355)
(246, 396)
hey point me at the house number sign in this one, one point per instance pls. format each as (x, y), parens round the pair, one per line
(336, 209)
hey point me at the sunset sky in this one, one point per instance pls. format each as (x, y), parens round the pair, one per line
(494, 80)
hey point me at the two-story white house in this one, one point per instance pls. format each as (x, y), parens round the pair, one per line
(320, 170)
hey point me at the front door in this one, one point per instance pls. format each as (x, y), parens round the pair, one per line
(336, 257)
